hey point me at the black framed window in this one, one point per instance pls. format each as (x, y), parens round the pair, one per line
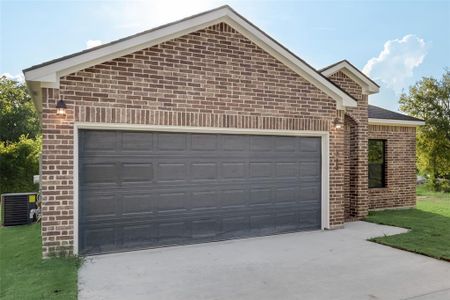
(377, 163)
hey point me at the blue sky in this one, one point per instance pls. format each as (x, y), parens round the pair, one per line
(394, 42)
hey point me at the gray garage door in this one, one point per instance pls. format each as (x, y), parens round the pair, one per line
(146, 189)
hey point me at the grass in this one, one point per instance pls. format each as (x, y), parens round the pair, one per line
(23, 272)
(429, 225)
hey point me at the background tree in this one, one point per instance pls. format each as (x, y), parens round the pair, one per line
(19, 161)
(429, 99)
(20, 141)
(17, 113)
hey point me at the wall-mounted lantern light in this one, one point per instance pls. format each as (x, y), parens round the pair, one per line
(337, 123)
(61, 107)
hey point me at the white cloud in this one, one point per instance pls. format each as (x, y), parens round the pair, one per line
(142, 15)
(395, 64)
(18, 77)
(93, 43)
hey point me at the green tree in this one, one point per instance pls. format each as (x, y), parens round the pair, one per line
(20, 141)
(429, 99)
(19, 161)
(17, 113)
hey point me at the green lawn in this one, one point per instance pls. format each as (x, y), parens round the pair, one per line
(429, 224)
(25, 275)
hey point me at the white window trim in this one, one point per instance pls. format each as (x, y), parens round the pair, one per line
(325, 158)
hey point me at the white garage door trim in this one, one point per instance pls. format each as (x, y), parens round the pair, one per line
(324, 135)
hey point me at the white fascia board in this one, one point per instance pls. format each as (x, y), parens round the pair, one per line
(391, 122)
(51, 73)
(368, 86)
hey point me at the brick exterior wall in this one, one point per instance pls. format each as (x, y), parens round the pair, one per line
(400, 190)
(217, 78)
(350, 165)
(214, 77)
(355, 151)
(400, 159)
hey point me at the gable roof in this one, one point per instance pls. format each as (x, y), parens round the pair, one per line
(48, 73)
(369, 86)
(381, 116)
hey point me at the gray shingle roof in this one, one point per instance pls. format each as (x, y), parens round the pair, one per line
(376, 112)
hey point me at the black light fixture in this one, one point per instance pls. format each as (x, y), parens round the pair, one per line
(337, 123)
(61, 107)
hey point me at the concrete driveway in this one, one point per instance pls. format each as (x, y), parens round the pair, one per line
(337, 264)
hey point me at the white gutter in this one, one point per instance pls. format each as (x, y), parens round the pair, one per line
(391, 122)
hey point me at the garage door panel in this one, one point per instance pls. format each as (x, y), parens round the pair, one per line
(171, 141)
(98, 141)
(310, 169)
(310, 192)
(157, 187)
(173, 231)
(204, 142)
(234, 198)
(137, 204)
(99, 173)
(287, 221)
(233, 142)
(172, 172)
(171, 202)
(190, 215)
(310, 145)
(261, 169)
(98, 240)
(204, 200)
(286, 169)
(152, 189)
(260, 222)
(203, 171)
(137, 142)
(205, 228)
(285, 143)
(100, 206)
(259, 143)
(261, 196)
(286, 195)
(136, 172)
(233, 170)
(197, 228)
(138, 235)
(235, 225)
(310, 218)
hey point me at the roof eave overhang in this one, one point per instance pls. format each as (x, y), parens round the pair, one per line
(48, 75)
(368, 86)
(35, 88)
(393, 122)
